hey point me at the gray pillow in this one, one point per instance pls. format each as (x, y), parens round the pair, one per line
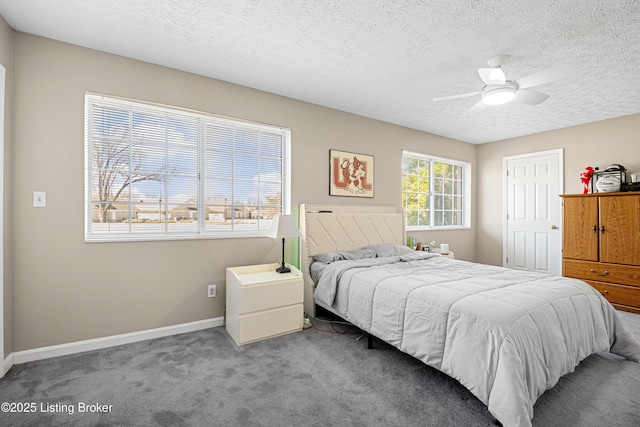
(389, 249)
(342, 255)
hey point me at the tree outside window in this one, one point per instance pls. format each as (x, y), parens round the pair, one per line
(433, 191)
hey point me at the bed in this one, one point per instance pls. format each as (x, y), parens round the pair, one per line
(506, 335)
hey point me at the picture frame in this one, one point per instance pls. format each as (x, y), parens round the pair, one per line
(351, 174)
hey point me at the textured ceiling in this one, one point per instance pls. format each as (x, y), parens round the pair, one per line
(381, 59)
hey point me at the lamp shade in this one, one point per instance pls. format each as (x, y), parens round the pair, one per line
(283, 226)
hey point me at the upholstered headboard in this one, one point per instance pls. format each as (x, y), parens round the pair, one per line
(329, 228)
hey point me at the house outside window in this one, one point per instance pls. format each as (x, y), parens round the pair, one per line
(156, 172)
(435, 192)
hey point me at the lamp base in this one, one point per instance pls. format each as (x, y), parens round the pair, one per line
(283, 269)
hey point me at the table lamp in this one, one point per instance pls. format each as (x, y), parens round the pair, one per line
(283, 226)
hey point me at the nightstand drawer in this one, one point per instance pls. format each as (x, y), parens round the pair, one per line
(269, 323)
(269, 295)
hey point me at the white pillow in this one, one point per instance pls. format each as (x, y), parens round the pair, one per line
(389, 249)
(342, 255)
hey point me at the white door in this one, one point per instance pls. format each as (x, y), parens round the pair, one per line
(2, 94)
(532, 237)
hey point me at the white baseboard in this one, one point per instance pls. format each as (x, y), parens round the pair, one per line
(8, 364)
(105, 342)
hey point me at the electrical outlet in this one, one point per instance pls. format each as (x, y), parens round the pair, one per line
(212, 291)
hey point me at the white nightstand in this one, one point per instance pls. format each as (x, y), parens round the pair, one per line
(262, 303)
(448, 255)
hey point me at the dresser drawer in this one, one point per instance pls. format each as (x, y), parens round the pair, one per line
(601, 272)
(618, 294)
(270, 323)
(269, 295)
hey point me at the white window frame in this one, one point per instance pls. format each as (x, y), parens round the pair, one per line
(466, 192)
(199, 231)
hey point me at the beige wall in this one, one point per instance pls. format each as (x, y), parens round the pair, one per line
(66, 290)
(59, 289)
(596, 144)
(6, 59)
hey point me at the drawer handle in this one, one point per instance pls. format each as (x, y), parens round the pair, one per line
(599, 274)
(605, 292)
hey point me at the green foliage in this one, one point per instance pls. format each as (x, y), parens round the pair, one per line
(425, 182)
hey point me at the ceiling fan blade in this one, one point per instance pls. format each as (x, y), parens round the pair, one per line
(477, 107)
(462, 95)
(492, 76)
(530, 97)
(546, 76)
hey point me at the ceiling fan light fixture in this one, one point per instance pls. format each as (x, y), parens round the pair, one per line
(498, 96)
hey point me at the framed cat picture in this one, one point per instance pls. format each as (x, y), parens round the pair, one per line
(350, 174)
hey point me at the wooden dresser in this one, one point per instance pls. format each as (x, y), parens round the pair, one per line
(601, 244)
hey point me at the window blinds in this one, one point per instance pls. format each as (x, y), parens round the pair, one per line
(154, 172)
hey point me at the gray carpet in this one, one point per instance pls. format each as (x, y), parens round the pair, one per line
(310, 378)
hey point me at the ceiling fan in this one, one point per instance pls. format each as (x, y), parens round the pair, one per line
(498, 90)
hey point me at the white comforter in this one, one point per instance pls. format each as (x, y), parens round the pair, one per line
(506, 335)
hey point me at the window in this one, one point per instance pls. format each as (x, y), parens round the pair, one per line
(435, 192)
(156, 172)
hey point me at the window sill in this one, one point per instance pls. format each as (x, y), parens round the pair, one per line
(127, 239)
(437, 228)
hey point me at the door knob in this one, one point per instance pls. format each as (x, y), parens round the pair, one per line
(554, 227)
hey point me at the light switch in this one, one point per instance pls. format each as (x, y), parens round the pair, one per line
(39, 199)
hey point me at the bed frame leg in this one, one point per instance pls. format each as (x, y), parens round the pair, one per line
(369, 341)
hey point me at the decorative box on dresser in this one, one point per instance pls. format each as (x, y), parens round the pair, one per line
(601, 244)
(262, 303)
